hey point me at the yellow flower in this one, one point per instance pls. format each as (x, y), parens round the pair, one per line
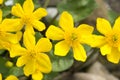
(109, 41)
(69, 36)
(27, 17)
(10, 77)
(33, 56)
(0, 76)
(7, 38)
(1, 1)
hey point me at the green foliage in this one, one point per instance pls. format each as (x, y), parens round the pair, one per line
(61, 63)
(80, 9)
(17, 71)
(3, 68)
(50, 76)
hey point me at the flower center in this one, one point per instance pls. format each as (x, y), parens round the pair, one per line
(73, 36)
(32, 53)
(26, 19)
(113, 39)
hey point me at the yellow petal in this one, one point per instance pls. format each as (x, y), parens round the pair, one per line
(0, 15)
(85, 29)
(28, 6)
(96, 41)
(54, 33)
(14, 25)
(66, 21)
(29, 68)
(105, 49)
(40, 26)
(37, 76)
(22, 60)
(43, 45)
(29, 40)
(79, 52)
(1, 1)
(11, 77)
(17, 50)
(13, 38)
(44, 64)
(17, 10)
(114, 56)
(103, 26)
(39, 13)
(117, 24)
(61, 48)
(29, 29)
(0, 76)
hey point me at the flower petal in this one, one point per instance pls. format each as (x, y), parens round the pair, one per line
(29, 40)
(14, 25)
(114, 56)
(103, 26)
(17, 10)
(54, 33)
(37, 76)
(0, 76)
(66, 21)
(117, 24)
(39, 13)
(61, 48)
(43, 45)
(13, 38)
(29, 67)
(85, 29)
(1, 1)
(40, 26)
(94, 40)
(106, 49)
(79, 52)
(11, 77)
(44, 64)
(22, 60)
(17, 50)
(28, 6)
(0, 15)
(29, 29)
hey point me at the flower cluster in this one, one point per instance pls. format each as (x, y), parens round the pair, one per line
(32, 53)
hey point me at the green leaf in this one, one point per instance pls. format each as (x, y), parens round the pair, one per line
(38, 35)
(17, 71)
(112, 16)
(2, 51)
(79, 9)
(61, 63)
(50, 76)
(6, 11)
(3, 68)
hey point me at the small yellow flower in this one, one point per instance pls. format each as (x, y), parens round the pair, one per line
(69, 36)
(27, 17)
(0, 76)
(7, 38)
(1, 1)
(33, 56)
(10, 77)
(109, 41)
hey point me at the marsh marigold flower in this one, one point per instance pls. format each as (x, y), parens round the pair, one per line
(10, 77)
(33, 56)
(27, 17)
(109, 41)
(1, 1)
(7, 38)
(69, 37)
